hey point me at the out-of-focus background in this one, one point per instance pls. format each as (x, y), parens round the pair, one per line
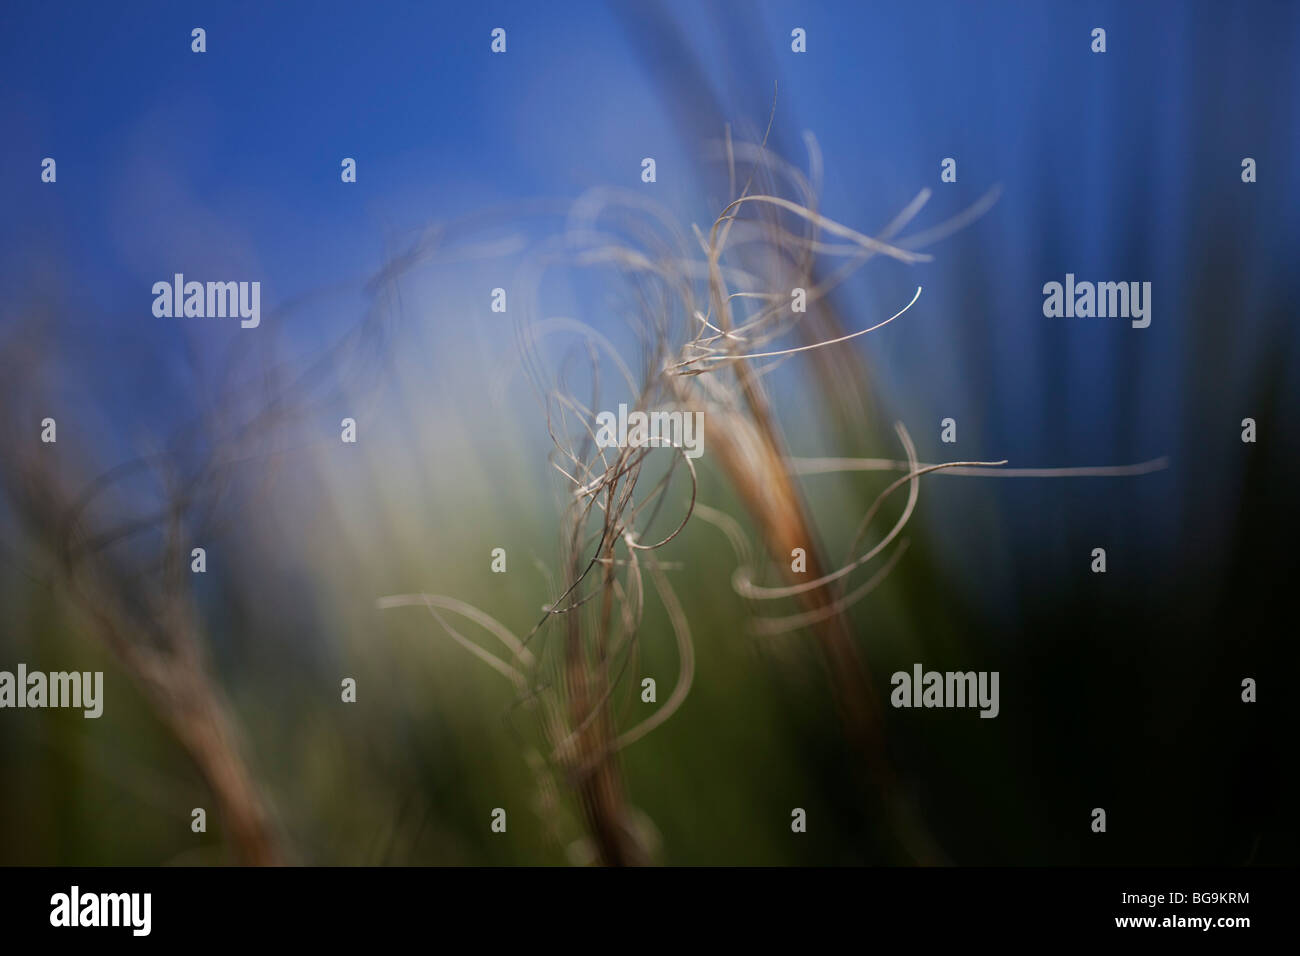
(1119, 690)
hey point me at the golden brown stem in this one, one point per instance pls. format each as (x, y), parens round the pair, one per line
(753, 456)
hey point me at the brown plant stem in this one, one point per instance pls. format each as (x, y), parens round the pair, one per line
(757, 466)
(183, 696)
(597, 778)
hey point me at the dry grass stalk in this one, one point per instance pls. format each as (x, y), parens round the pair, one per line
(146, 619)
(713, 363)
